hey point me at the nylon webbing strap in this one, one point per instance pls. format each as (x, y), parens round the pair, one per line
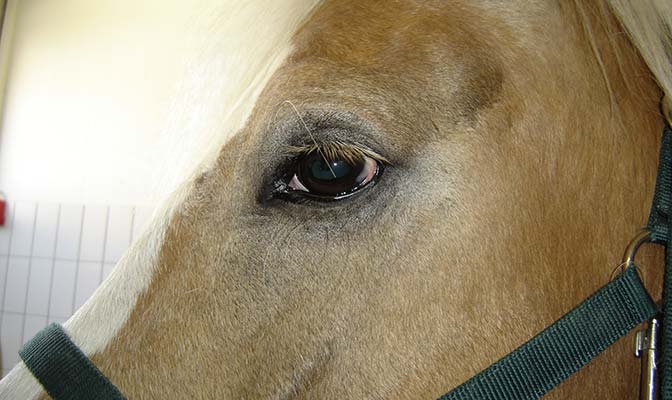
(63, 370)
(564, 347)
(662, 198)
(659, 225)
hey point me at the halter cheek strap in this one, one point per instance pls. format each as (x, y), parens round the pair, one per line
(660, 225)
(564, 347)
(63, 369)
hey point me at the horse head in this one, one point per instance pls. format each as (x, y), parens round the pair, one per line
(420, 187)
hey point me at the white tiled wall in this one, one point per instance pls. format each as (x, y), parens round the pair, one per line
(52, 258)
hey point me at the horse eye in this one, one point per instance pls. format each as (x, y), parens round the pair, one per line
(332, 179)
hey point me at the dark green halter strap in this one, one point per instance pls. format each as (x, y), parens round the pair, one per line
(564, 347)
(63, 370)
(660, 227)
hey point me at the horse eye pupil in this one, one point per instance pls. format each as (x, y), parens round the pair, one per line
(331, 178)
(336, 169)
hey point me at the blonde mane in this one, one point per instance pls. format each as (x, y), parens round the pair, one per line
(649, 25)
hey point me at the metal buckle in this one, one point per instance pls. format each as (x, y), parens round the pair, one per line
(646, 340)
(631, 251)
(646, 348)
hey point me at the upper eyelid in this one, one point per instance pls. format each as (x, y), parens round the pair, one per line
(346, 127)
(338, 150)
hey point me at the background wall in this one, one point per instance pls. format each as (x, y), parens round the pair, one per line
(88, 94)
(88, 88)
(83, 146)
(109, 104)
(7, 13)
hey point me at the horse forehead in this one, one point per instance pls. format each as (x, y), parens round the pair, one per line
(390, 32)
(354, 30)
(394, 63)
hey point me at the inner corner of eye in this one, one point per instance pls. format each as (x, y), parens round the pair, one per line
(295, 184)
(369, 171)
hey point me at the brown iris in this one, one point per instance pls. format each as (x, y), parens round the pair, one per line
(333, 178)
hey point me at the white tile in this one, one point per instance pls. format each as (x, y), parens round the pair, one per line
(107, 268)
(32, 325)
(11, 339)
(69, 232)
(141, 217)
(6, 230)
(93, 233)
(46, 225)
(39, 284)
(4, 261)
(62, 289)
(119, 228)
(88, 279)
(22, 229)
(17, 284)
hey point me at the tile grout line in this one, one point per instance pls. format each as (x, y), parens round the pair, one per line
(79, 254)
(107, 227)
(30, 314)
(130, 236)
(57, 258)
(9, 247)
(30, 264)
(132, 224)
(53, 263)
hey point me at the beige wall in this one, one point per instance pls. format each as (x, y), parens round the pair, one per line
(7, 13)
(88, 94)
(113, 101)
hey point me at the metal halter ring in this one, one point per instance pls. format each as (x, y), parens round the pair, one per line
(630, 251)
